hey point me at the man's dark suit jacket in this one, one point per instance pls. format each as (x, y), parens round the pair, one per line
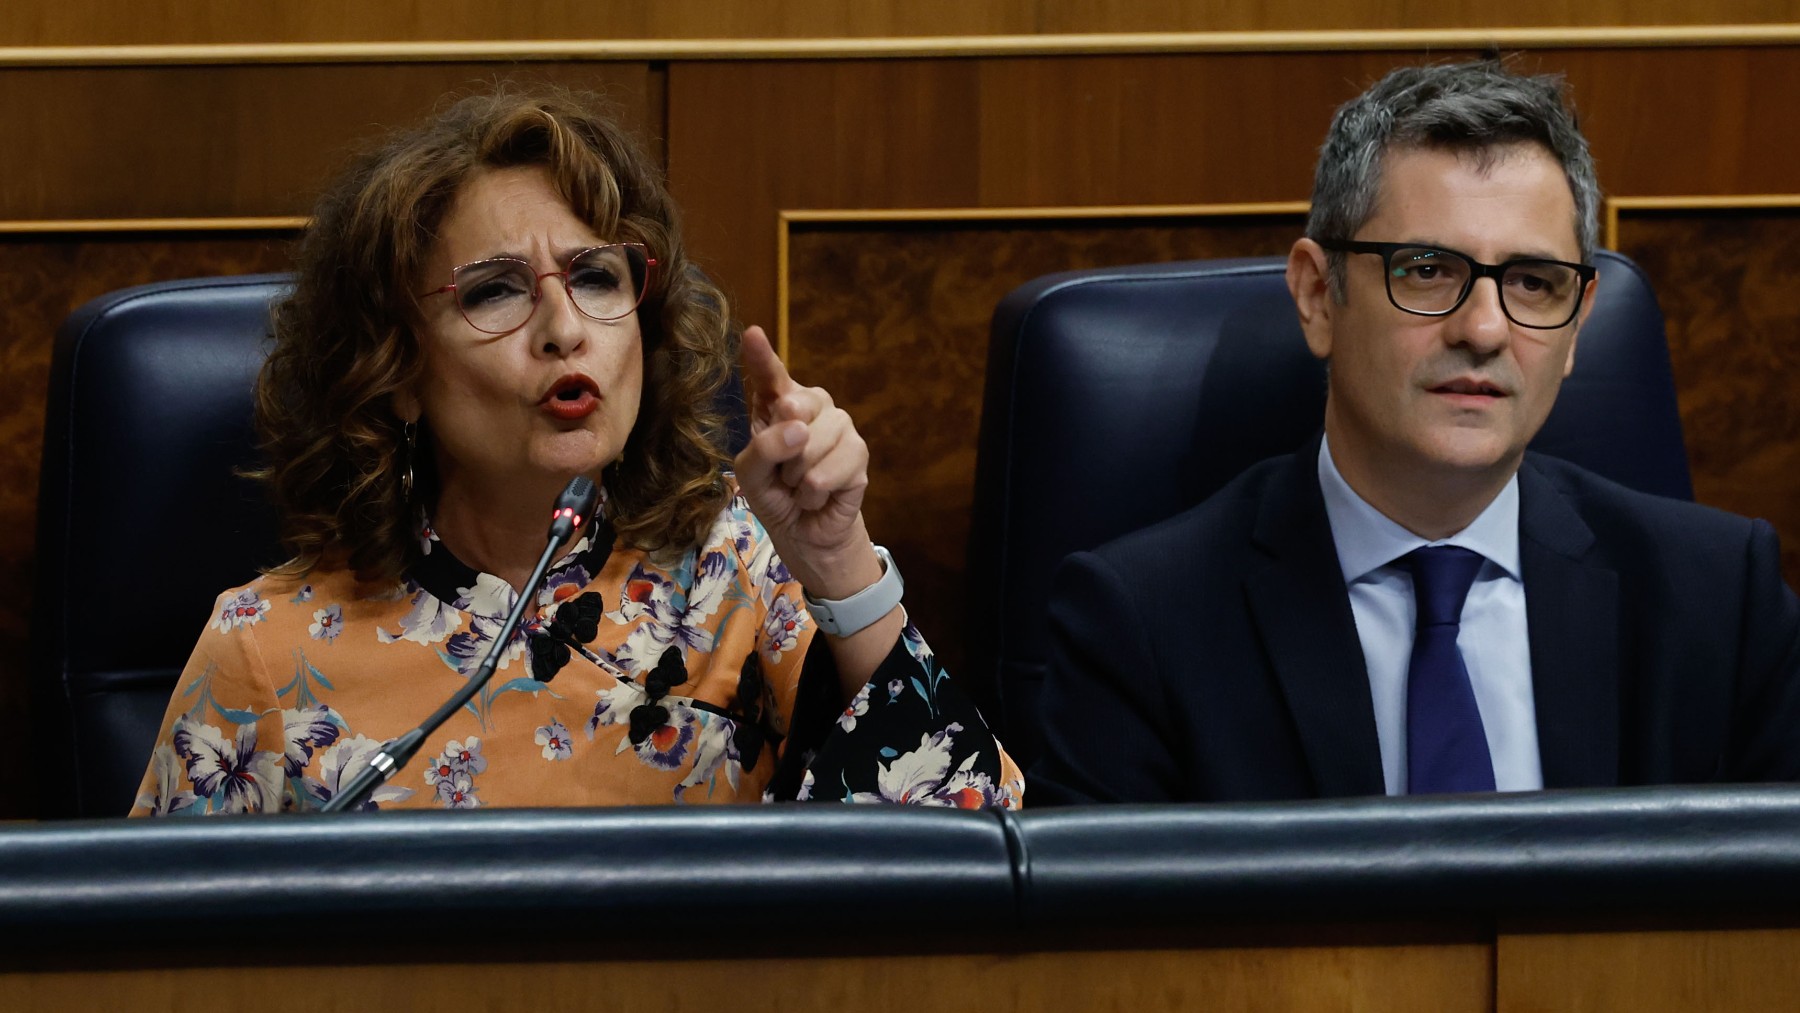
(1214, 656)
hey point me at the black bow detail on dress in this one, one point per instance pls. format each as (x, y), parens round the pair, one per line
(647, 717)
(547, 657)
(577, 621)
(753, 729)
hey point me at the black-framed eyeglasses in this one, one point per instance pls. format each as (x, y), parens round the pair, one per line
(1433, 282)
(499, 296)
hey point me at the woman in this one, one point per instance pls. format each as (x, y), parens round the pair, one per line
(485, 307)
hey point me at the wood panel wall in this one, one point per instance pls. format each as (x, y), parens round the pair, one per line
(746, 139)
(144, 22)
(1211, 128)
(175, 142)
(1727, 281)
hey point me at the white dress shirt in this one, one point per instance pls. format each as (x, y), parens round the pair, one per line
(1494, 642)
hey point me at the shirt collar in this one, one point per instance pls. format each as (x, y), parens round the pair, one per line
(1368, 540)
(461, 586)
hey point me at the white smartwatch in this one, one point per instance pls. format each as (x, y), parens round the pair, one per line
(862, 609)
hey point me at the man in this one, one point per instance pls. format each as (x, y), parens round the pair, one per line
(1415, 604)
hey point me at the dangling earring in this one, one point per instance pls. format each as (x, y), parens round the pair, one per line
(410, 431)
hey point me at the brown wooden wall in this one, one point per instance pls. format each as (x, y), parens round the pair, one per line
(140, 22)
(890, 314)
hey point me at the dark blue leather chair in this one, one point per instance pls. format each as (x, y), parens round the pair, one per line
(142, 519)
(1121, 396)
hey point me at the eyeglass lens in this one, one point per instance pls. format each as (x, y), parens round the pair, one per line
(498, 296)
(1537, 293)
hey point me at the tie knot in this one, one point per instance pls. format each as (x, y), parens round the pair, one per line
(1442, 575)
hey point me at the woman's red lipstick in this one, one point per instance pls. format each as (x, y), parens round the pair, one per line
(571, 398)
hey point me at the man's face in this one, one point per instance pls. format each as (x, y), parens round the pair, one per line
(1415, 395)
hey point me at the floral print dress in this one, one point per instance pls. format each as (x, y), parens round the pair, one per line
(686, 677)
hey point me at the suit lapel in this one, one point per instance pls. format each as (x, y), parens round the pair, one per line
(1571, 608)
(1302, 614)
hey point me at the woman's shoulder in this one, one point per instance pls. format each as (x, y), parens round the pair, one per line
(340, 583)
(252, 603)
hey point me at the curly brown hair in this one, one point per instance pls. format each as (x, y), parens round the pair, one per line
(335, 449)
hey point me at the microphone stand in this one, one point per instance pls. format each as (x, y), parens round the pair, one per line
(572, 508)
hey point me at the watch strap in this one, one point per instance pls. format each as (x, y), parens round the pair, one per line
(863, 609)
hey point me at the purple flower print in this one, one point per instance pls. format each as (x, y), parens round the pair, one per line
(555, 740)
(647, 593)
(859, 705)
(305, 595)
(615, 706)
(781, 628)
(715, 747)
(457, 791)
(651, 596)
(671, 743)
(767, 570)
(453, 771)
(307, 729)
(742, 532)
(344, 761)
(914, 778)
(754, 547)
(327, 623)
(244, 608)
(482, 631)
(562, 585)
(168, 798)
(232, 771)
(489, 596)
(916, 645)
(969, 789)
(465, 647)
(465, 755)
(428, 622)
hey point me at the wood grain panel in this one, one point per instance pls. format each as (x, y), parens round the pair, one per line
(45, 278)
(1726, 281)
(128, 22)
(747, 140)
(987, 133)
(1444, 978)
(1209, 128)
(1678, 970)
(1687, 121)
(893, 319)
(143, 142)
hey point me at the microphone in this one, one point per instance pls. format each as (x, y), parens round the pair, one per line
(573, 508)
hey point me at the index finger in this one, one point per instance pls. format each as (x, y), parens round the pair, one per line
(765, 377)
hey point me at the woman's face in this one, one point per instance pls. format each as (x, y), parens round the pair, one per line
(519, 413)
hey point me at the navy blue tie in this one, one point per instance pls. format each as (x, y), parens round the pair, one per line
(1446, 747)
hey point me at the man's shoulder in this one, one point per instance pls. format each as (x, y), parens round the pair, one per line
(1215, 529)
(1593, 493)
(1642, 524)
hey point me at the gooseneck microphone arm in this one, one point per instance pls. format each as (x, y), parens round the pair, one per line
(573, 508)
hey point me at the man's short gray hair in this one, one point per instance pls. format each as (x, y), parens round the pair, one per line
(1472, 107)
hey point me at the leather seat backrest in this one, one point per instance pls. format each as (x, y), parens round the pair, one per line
(142, 520)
